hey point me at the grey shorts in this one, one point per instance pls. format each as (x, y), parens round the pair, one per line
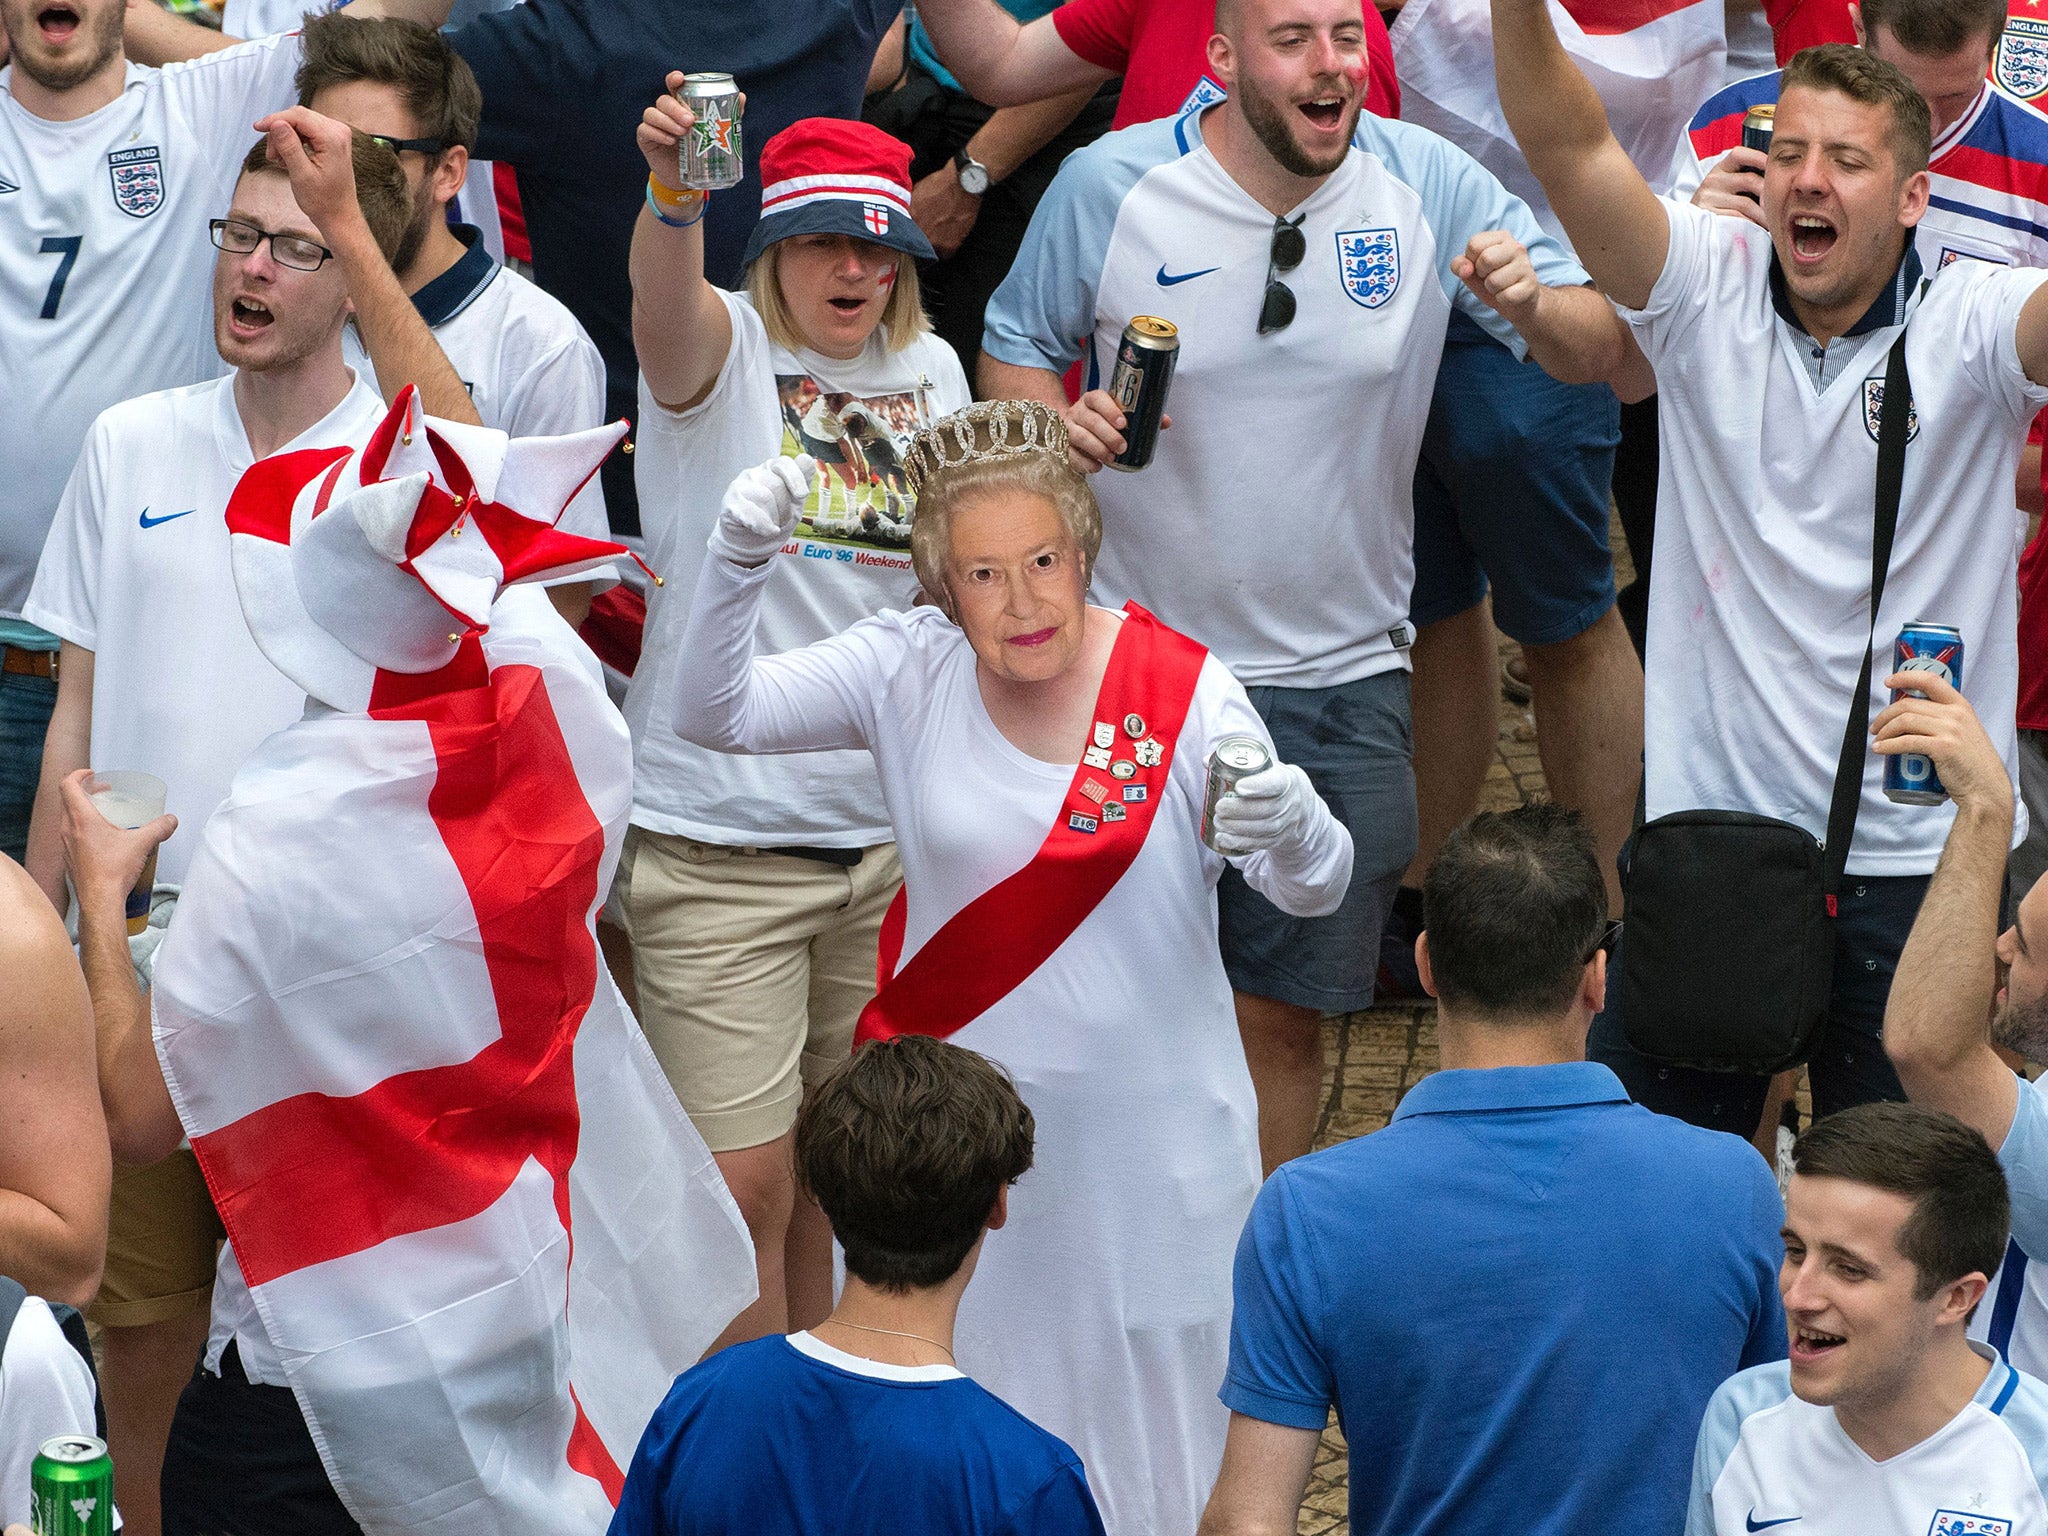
(1354, 743)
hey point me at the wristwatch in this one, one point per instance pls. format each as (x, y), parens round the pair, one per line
(974, 177)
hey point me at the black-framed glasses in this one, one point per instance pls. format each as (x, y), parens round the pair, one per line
(1609, 937)
(295, 251)
(400, 146)
(1289, 249)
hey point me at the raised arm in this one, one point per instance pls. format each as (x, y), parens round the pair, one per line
(318, 154)
(1573, 333)
(1937, 1021)
(105, 861)
(53, 1141)
(155, 36)
(1616, 224)
(727, 698)
(999, 62)
(681, 330)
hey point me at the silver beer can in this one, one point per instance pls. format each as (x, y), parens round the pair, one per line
(1235, 757)
(711, 158)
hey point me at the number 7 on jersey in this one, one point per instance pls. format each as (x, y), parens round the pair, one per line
(65, 247)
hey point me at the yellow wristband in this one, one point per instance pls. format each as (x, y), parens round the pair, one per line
(672, 206)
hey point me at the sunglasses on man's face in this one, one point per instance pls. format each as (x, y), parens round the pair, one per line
(1289, 249)
(401, 146)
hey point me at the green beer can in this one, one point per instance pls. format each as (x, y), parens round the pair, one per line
(71, 1488)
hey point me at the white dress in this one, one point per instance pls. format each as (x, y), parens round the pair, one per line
(1102, 1310)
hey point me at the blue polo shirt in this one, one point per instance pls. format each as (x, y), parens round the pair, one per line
(1519, 1296)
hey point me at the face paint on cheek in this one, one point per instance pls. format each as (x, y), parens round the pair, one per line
(887, 280)
(1357, 74)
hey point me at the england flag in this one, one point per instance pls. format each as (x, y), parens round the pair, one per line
(1652, 61)
(479, 1231)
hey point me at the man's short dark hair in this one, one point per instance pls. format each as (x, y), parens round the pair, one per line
(432, 79)
(1863, 76)
(1961, 1211)
(905, 1148)
(381, 191)
(1514, 905)
(1935, 28)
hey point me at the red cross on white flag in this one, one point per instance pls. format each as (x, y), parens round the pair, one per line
(876, 216)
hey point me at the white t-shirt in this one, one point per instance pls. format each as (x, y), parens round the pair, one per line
(137, 571)
(1276, 522)
(1765, 497)
(1767, 1459)
(850, 558)
(106, 268)
(528, 366)
(45, 1391)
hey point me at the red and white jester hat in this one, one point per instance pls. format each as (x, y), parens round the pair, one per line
(834, 176)
(357, 569)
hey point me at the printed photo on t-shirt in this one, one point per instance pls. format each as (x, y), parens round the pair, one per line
(861, 495)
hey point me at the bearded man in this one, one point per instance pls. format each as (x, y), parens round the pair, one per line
(1311, 259)
(1952, 1032)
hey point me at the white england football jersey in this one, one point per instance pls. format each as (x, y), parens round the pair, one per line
(106, 270)
(1765, 496)
(528, 366)
(137, 572)
(1989, 173)
(1276, 522)
(1768, 1460)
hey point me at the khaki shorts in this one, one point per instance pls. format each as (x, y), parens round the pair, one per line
(752, 969)
(163, 1236)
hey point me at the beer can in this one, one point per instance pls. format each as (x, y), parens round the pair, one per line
(1144, 370)
(711, 158)
(1757, 124)
(71, 1488)
(1909, 777)
(1235, 757)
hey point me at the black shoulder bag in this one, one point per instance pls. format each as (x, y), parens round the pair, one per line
(1728, 957)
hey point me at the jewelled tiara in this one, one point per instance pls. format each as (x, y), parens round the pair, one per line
(1012, 427)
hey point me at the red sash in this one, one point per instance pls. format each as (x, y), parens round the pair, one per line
(990, 945)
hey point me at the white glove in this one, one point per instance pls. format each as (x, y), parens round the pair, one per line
(1273, 809)
(761, 508)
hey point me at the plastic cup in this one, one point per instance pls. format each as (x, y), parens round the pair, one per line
(129, 798)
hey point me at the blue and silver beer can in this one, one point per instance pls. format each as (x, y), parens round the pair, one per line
(1909, 777)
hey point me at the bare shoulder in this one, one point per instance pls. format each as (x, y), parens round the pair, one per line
(35, 954)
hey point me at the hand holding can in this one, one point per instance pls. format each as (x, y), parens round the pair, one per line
(711, 156)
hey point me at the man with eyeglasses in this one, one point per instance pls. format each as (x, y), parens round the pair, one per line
(1311, 258)
(159, 672)
(1591, 1272)
(527, 363)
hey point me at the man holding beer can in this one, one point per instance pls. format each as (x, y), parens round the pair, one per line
(1777, 359)
(1309, 280)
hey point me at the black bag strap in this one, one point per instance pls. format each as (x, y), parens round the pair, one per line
(1894, 415)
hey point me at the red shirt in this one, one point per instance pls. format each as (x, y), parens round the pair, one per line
(2020, 65)
(2033, 702)
(1161, 48)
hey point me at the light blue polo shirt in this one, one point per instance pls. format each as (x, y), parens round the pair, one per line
(1519, 1296)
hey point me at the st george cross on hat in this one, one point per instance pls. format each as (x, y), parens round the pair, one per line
(835, 176)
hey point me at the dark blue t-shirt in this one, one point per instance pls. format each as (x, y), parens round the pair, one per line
(1520, 1296)
(564, 84)
(789, 1437)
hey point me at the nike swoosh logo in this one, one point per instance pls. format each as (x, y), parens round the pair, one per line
(150, 522)
(1167, 280)
(1755, 1524)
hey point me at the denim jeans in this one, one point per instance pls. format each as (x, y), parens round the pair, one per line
(25, 705)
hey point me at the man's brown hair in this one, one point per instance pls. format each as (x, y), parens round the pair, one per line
(380, 187)
(905, 1148)
(432, 79)
(1935, 28)
(1961, 1208)
(1864, 77)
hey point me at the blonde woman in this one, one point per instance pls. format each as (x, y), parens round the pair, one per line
(752, 888)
